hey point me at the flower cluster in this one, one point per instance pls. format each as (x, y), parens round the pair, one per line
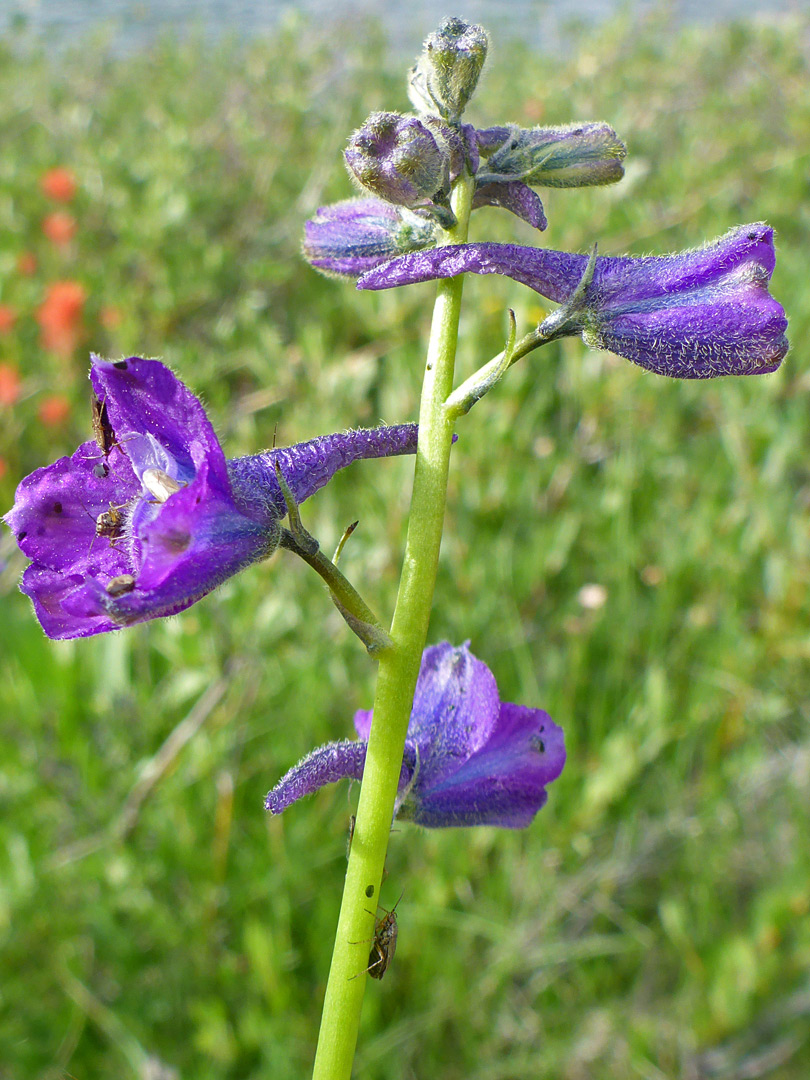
(470, 759)
(150, 516)
(408, 163)
(696, 314)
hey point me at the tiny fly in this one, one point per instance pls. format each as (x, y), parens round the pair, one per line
(110, 523)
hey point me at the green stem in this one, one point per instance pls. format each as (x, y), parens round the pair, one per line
(396, 681)
(346, 598)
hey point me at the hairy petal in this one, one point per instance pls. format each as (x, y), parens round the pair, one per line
(503, 783)
(148, 405)
(515, 196)
(55, 594)
(55, 510)
(455, 709)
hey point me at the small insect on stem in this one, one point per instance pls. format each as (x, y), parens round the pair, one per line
(383, 944)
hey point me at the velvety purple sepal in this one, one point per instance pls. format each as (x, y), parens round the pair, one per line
(696, 314)
(470, 759)
(478, 761)
(515, 196)
(160, 519)
(351, 236)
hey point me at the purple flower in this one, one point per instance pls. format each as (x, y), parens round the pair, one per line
(693, 315)
(154, 517)
(349, 237)
(470, 759)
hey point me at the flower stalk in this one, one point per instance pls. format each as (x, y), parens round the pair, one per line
(396, 681)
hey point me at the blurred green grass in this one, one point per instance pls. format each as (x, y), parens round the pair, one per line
(654, 922)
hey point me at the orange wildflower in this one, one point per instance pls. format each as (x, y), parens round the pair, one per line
(59, 184)
(59, 227)
(10, 384)
(60, 315)
(54, 410)
(8, 316)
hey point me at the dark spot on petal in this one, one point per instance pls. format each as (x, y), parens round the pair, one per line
(175, 540)
(369, 891)
(100, 471)
(21, 536)
(121, 365)
(513, 145)
(753, 235)
(57, 508)
(537, 744)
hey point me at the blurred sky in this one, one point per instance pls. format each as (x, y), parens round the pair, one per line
(135, 22)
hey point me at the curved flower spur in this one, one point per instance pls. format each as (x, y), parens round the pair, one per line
(470, 758)
(692, 315)
(150, 517)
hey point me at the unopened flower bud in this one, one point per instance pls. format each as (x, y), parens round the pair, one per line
(400, 160)
(575, 155)
(446, 74)
(349, 237)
